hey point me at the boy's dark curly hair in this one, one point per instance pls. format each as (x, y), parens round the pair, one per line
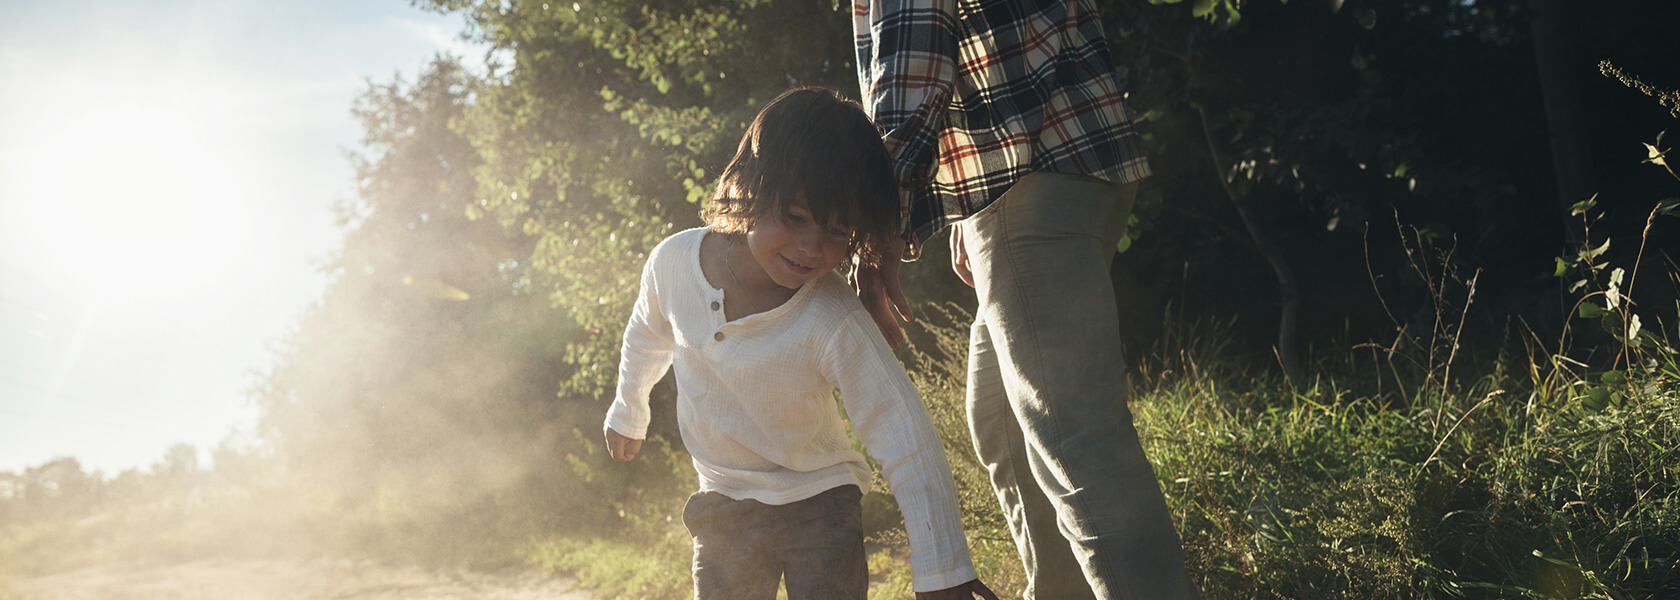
(811, 141)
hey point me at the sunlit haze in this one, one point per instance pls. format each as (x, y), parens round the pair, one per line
(167, 172)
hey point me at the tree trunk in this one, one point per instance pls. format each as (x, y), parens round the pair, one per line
(1289, 292)
(1554, 59)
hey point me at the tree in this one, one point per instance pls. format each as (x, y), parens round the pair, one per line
(420, 387)
(1559, 70)
(1313, 125)
(606, 126)
(55, 489)
(178, 471)
(1328, 130)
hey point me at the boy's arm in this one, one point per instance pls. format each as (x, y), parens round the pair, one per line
(645, 356)
(889, 418)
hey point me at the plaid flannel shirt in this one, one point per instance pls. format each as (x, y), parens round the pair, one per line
(975, 94)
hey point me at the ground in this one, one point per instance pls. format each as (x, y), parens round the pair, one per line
(218, 579)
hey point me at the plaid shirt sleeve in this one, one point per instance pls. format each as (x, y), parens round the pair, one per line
(972, 95)
(907, 68)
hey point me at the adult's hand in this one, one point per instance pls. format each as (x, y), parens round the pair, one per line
(965, 591)
(959, 256)
(878, 288)
(622, 448)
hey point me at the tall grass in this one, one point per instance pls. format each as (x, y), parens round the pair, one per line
(1410, 472)
(1402, 468)
(1408, 467)
(1315, 494)
(1536, 478)
(1549, 471)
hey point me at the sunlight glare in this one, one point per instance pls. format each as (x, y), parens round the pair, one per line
(138, 199)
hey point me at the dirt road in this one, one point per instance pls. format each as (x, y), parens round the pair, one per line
(289, 580)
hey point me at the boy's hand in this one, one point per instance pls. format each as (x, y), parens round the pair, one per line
(622, 448)
(965, 591)
(878, 288)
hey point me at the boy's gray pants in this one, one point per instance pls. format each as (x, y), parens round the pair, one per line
(743, 548)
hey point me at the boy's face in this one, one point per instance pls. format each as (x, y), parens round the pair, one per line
(793, 249)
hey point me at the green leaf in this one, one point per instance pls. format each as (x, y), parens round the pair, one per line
(1649, 339)
(1367, 18)
(1613, 293)
(1562, 268)
(1203, 8)
(1592, 254)
(1668, 206)
(1597, 399)
(1559, 359)
(1655, 155)
(1611, 324)
(1589, 310)
(1581, 208)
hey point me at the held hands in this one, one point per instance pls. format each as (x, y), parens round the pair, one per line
(622, 448)
(965, 591)
(878, 288)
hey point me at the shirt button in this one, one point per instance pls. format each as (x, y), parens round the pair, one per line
(715, 305)
(718, 336)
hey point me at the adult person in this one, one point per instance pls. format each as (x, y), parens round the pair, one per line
(1005, 118)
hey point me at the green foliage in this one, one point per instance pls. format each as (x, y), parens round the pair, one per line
(1605, 296)
(1496, 487)
(415, 400)
(1226, 12)
(636, 546)
(616, 568)
(1668, 98)
(174, 510)
(940, 373)
(442, 401)
(937, 362)
(1295, 110)
(639, 497)
(608, 126)
(1323, 494)
(1561, 484)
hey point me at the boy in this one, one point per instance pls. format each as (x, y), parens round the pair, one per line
(762, 331)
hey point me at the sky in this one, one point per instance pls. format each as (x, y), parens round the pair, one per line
(168, 171)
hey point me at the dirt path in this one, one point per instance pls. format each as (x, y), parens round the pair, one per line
(289, 580)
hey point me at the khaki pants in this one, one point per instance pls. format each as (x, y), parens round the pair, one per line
(1047, 395)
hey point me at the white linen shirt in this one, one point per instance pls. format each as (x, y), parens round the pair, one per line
(756, 407)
